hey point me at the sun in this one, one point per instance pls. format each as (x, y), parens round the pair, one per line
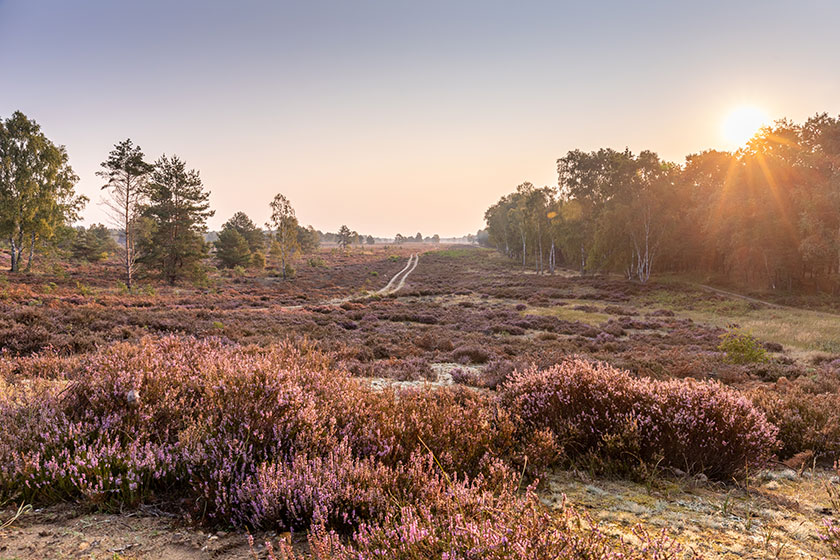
(742, 123)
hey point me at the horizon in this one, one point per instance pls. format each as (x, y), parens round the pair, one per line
(404, 118)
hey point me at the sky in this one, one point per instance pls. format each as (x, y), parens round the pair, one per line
(396, 116)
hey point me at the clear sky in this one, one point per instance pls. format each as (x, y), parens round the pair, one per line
(402, 116)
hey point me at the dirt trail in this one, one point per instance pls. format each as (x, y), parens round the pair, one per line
(763, 302)
(400, 276)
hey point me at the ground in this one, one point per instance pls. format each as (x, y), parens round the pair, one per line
(450, 315)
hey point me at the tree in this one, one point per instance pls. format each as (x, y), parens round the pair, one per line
(308, 239)
(36, 187)
(399, 239)
(247, 229)
(370, 240)
(93, 244)
(345, 236)
(127, 174)
(282, 228)
(436, 238)
(178, 209)
(418, 238)
(232, 248)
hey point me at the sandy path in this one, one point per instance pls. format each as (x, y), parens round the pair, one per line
(400, 276)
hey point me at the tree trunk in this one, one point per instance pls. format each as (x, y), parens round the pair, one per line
(129, 238)
(14, 254)
(582, 260)
(31, 252)
(552, 260)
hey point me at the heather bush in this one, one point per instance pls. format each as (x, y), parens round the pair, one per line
(596, 412)
(806, 415)
(470, 354)
(216, 425)
(336, 490)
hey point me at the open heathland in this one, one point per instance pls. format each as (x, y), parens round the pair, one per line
(401, 402)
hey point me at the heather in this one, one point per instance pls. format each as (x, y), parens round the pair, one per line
(276, 439)
(805, 411)
(356, 420)
(206, 420)
(462, 520)
(608, 418)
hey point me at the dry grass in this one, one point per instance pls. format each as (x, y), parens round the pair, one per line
(569, 313)
(799, 329)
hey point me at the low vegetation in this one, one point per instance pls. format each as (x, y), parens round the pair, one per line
(430, 420)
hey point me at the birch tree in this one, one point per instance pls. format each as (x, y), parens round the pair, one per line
(282, 228)
(36, 188)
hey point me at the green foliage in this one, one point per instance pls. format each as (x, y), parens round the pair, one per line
(178, 209)
(317, 262)
(232, 249)
(257, 261)
(84, 289)
(742, 348)
(242, 224)
(93, 244)
(283, 227)
(308, 239)
(36, 188)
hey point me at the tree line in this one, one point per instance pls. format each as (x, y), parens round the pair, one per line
(159, 209)
(766, 215)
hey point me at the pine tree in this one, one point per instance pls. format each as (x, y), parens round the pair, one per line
(178, 209)
(232, 248)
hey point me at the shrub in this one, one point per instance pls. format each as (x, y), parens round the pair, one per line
(84, 289)
(742, 348)
(807, 420)
(599, 413)
(257, 261)
(470, 354)
(201, 420)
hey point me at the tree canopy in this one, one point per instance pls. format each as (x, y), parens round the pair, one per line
(767, 215)
(37, 184)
